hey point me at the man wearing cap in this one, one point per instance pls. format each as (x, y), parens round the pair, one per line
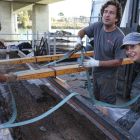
(131, 44)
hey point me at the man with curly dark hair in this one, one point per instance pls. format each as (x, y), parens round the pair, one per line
(108, 55)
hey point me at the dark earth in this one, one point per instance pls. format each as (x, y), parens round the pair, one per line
(63, 124)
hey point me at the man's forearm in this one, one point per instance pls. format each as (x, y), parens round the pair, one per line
(81, 33)
(110, 63)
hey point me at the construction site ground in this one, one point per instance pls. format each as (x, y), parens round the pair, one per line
(32, 100)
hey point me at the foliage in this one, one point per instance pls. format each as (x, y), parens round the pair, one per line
(24, 19)
(69, 23)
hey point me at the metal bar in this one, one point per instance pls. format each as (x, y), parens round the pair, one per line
(109, 128)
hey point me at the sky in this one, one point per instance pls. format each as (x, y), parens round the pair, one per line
(71, 8)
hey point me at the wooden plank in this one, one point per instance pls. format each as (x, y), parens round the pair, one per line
(55, 71)
(127, 61)
(45, 58)
(49, 72)
(49, 58)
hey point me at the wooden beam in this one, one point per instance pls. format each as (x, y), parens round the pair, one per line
(49, 58)
(127, 61)
(49, 72)
(46, 58)
(55, 71)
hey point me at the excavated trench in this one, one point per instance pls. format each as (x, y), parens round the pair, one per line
(33, 100)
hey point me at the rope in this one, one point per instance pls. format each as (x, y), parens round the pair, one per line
(100, 103)
(14, 110)
(66, 56)
(10, 125)
(125, 105)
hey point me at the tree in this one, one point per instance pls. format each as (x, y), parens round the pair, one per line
(24, 19)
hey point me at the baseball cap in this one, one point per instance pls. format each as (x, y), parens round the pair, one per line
(131, 39)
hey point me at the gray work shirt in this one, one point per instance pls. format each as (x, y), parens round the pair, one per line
(106, 44)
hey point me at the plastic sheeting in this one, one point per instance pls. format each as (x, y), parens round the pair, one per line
(5, 134)
(113, 113)
(135, 130)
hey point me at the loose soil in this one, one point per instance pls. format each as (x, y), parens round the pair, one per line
(63, 124)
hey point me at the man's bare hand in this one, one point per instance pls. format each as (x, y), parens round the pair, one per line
(11, 77)
(79, 44)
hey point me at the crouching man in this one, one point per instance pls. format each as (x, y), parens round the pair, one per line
(131, 44)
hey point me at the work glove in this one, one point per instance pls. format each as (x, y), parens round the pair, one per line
(91, 62)
(11, 77)
(79, 44)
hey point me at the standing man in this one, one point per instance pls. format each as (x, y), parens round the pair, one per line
(108, 55)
